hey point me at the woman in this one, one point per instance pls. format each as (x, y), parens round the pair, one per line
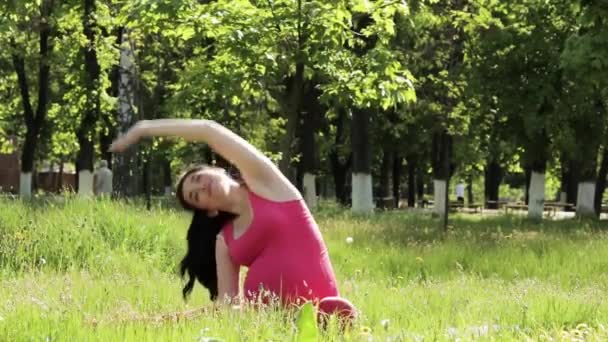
(262, 223)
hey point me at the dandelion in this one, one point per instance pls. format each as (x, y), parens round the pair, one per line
(42, 261)
(366, 330)
(349, 240)
(419, 259)
(385, 323)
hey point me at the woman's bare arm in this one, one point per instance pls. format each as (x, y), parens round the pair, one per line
(227, 273)
(254, 166)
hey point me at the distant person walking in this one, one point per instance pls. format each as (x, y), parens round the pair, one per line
(460, 192)
(103, 181)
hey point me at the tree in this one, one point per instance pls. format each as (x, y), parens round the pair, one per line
(92, 105)
(14, 35)
(583, 59)
(523, 41)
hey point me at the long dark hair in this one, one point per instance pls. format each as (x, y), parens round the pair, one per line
(199, 261)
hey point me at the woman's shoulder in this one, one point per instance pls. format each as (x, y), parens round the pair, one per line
(276, 193)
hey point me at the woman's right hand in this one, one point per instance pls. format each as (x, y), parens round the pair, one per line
(132, 136)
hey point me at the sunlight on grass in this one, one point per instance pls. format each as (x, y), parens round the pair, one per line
(84, 270)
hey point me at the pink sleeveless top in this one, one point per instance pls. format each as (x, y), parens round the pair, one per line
(284, 251)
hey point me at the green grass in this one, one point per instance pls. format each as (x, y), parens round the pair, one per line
(77, 270)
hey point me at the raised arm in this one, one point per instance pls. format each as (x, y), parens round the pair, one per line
(254, 166)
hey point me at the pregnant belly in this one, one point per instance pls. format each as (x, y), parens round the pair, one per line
(287, 283)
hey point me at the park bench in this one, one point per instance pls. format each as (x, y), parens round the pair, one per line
(554, 207)
(550, 207)
(515, 206)
(471, 207)
(475, 207)
(456, 205)
(424, 203)
(497, 204)
(385, 203)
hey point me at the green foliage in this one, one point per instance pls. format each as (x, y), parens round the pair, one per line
(502, 277)
(510, 81)
(66, 233)
(306, 324)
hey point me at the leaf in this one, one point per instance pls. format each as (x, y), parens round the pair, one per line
(362, 6)
(185, 32)
(306, 324)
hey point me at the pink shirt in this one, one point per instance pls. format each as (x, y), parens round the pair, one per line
(284, 251)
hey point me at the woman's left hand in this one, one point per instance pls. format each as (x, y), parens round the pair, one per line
(131, 137)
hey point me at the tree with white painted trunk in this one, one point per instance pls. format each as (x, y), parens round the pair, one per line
(528, 63)
(86, 131)
(362, 196)
(312, 112)
(444, 87)
(582, 59)
(16, 39)
(441, 162)
(535, 156)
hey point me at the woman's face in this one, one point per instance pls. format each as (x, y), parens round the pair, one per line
(207, 189)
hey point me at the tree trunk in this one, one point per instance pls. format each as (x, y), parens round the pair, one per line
(146, 184)
(167, 182)
(85, 133)
(105, 140)
(306, 135)
(385, 171)
(362, 196)
(528, 175)
(339, 172)
(536, 189)
(589, 147)
(411, 180)
(420, 183)
(340, 169)
(470, 190)
(585, 199)
(34, 121)
(292, 111)
(126, 166)
(397, 171)
(570, 179)
(601, 182)
(441, 172)
(492, 180)
(60, 182)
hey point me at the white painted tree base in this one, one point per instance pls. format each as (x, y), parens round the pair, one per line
(362, 196)
(536, 200)
(25, 185)
(585, 198)
(439, 190)
(85, 183)
(310, 190)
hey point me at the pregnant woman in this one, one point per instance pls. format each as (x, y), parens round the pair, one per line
(260, 221)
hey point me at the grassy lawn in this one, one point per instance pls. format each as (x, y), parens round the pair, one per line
(98, 270)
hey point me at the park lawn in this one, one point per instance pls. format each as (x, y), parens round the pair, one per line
(78, 270)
